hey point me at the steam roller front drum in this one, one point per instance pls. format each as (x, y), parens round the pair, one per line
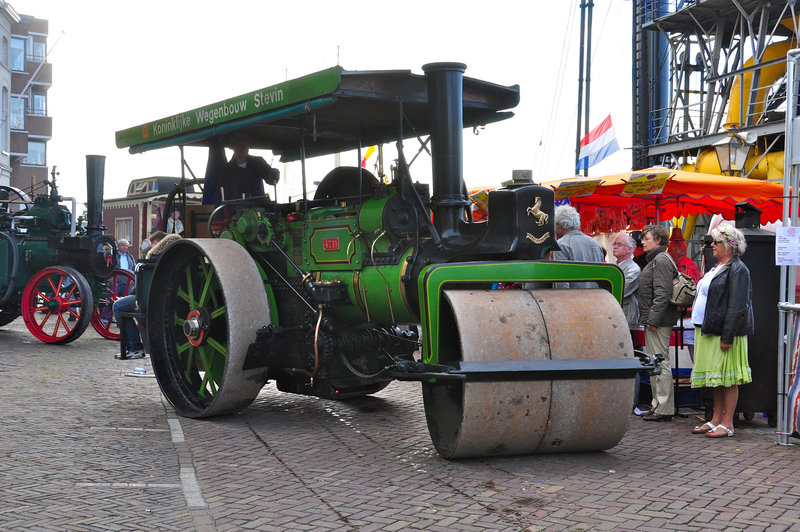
(534, 416)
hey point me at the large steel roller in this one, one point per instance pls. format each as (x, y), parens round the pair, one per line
(205, 305)
(532, 416)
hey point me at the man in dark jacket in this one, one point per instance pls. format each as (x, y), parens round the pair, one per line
(244, 175)
(658, 316)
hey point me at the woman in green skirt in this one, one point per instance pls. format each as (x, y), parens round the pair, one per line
(723, 317)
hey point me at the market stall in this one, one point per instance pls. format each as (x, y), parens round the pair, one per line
(633, 199)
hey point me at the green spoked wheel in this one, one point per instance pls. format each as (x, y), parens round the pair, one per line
(206, 302)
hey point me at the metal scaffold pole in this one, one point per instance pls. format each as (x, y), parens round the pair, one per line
(787, 325)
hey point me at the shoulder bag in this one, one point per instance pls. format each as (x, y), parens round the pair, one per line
(683, 288)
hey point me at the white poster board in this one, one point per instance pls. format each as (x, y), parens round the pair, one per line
(787, 246)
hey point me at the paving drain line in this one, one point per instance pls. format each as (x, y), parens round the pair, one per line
(189, 484)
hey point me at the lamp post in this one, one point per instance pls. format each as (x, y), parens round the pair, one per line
(733, 150)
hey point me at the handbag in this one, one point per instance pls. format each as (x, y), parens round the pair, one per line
(684, 288)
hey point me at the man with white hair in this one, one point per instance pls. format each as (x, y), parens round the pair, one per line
(574, 245)
(624, 245)
(125, 259)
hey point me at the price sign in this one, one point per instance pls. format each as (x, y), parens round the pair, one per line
(576, 189)
(646, 183)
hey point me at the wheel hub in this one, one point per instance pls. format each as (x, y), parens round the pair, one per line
(195, 326)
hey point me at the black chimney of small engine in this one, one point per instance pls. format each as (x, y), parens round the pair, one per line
(445, 88)
(95, 173)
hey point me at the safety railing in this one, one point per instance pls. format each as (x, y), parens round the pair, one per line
(681, 122)
(654, 9)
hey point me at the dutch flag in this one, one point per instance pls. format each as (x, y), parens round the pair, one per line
(598, 144)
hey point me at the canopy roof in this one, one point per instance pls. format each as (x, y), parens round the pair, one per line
(335, 109)
(683, 193)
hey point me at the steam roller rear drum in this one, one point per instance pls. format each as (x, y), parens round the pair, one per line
(534, 416)
(206, 302)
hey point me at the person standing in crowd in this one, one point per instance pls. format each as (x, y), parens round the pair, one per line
(723, 317)
(573, 244)
(658, 316)
(125, 259)
(679, 252)
(624, 245)
(244, 175)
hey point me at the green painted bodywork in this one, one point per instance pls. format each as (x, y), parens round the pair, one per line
(435, 278)
(370, 217)
(249, 105)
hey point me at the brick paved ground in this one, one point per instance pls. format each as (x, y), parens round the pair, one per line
(85, 447)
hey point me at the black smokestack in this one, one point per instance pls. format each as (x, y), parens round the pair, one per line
(95, 173)
(445, 87)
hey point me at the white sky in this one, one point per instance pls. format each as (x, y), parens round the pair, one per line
(120, 64)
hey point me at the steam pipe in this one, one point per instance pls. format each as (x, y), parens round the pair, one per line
(445, 88)
(95, 172)
(72, 223)
(12, 277)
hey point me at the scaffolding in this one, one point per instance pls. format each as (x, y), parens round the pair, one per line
(704, 69)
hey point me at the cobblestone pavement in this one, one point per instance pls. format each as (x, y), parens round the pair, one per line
(86, 446)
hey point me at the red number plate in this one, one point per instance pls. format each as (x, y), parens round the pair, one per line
(330, 244)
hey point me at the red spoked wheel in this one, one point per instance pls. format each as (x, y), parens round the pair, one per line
(119, 284)
(57, 304)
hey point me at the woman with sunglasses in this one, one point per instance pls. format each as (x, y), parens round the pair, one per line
(723, 317)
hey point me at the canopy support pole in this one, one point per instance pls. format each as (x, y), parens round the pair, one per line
(787, 323)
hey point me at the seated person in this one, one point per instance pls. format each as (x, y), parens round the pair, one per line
(134, 348)
(244, 175)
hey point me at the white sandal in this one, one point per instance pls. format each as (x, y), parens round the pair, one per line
(728, 432)
(699, 428)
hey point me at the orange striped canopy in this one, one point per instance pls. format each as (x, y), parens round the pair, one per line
(684, 193)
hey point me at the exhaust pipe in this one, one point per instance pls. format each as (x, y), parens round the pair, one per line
(95, 174)
(445, 88)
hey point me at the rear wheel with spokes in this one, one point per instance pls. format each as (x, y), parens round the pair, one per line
(207, 300)
(57, 304)
(119, 284)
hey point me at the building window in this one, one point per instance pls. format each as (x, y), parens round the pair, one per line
(36, 153)
(123, 228)
(39, 104)
(17, 113)
(5, 51)
(39, 51)
(17, 54)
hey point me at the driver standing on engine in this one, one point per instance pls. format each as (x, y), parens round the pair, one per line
(244, 175)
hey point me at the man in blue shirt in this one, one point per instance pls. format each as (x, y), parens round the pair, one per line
(125, 259)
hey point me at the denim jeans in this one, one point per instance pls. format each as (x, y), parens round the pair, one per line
(128, 304)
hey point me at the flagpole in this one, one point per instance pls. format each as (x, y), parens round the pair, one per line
(585, 61)
(588, 73)
(578, 128)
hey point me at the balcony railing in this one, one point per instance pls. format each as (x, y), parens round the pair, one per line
(681, 122)
(654, 9)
